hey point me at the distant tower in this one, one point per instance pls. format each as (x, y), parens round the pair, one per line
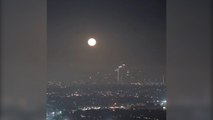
(117, 70)
(163, 79)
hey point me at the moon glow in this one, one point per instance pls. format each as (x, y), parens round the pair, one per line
(91, 42)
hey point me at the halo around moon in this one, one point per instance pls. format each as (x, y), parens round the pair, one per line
(91, 42)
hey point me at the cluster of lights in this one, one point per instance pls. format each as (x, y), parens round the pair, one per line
(117, 107)
(97, 108)
(51, 115)
(91, 108)
(56, 113)
(164, 103)
(119, 67)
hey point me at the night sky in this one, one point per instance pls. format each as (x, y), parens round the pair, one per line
(127, 31)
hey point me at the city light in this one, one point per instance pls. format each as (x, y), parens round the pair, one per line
(163, 103)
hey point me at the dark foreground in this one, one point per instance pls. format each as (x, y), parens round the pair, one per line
(106, 114)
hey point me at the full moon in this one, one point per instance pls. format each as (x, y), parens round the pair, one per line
(92, 42)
